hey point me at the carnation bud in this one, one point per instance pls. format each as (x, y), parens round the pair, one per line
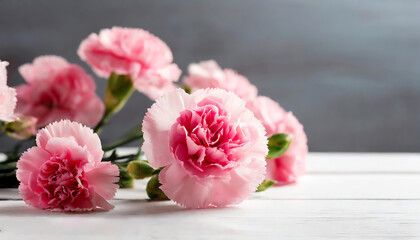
(140, 169)
(126, 180)
(21, 129)
(153, 189)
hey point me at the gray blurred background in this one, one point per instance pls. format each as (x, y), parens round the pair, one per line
(349, 70)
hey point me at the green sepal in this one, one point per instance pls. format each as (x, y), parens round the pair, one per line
(140, 169)
(266, 184)
(187, 89)
(278, 145)
(153, 190)
(118, 90)
(126, 180)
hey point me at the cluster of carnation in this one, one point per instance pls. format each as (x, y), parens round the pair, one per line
(205, 140)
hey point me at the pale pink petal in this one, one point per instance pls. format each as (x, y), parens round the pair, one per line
(43, 68)
(27, 173)
(136, 52)
(292, 164)
(62, 174)
(7, 96)
(208, 74)
(184, 189)
(211, 146)
(83, 136)
(30, 161)
(100, 202)
(157, 122)
(157, 82)
(7, 103)
(3, 73)
(103, 176)
(90, 111)
(67, 147)
(58, 90)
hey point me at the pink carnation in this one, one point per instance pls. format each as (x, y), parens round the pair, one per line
(136, 52)
(7, 96)
(64, 171)
(211, 146)
(292, 164)
(208, 74)
(58, 90)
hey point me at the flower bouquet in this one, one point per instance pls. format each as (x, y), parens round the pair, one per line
(210, 141)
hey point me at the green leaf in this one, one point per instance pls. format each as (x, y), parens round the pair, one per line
(140, 169)
(278, 145)
(153, 190)
(266, 184)
(118, 90)
(126, 180)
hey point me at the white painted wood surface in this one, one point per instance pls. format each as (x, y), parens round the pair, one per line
(343, 196)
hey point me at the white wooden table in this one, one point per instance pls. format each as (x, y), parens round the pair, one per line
(343, 196)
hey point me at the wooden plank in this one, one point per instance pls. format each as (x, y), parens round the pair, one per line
(363, 163)
(328, 178)
(275, 219)
(323, 186)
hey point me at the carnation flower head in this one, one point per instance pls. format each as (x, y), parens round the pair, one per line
(7, 96)
(211, 146)
(135, 52)
(58, 90)
(292, 164)
(208, 74)
(64, 171)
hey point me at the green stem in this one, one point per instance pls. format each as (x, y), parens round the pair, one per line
(105, 119)
(129, 157)
(118, 90)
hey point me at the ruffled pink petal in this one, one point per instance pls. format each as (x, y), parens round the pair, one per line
(91, 110)
(216, 152)
(136, 52)
(236, 108)
(7, 103)
(83, 136)
(30, 162)
(208, 74)
(186, 190)
(292, 164)
(58, 90)
(101, 203)
(7, 96)
(192, 192)
(67, 148)
(243, 181)
(3, 73)
(27, 173)
(158, 82)
(103, 64)
(157, 123)
(42, 68)
(102, 177)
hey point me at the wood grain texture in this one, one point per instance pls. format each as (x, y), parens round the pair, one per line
(377, 198)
